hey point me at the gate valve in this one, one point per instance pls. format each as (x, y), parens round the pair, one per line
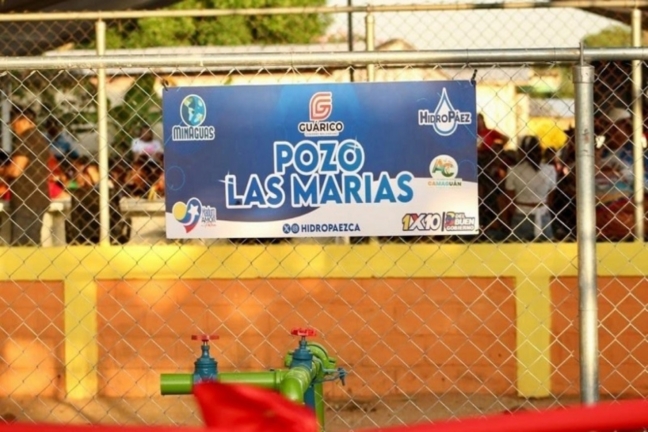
(206, 368)
(302, 355)
(303, 332)
(205, 338)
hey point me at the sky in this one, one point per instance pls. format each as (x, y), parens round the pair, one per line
(522, 28)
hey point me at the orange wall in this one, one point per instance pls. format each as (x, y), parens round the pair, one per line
(31, 339)
(622, 335)
(393, 335)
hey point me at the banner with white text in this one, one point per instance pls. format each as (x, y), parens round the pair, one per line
(321, 160)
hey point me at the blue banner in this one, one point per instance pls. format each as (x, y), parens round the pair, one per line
(321, 160)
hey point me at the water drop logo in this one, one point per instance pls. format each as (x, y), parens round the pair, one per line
(445, 118)
(188, 214)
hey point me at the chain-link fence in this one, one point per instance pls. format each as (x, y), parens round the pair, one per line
(428, 327)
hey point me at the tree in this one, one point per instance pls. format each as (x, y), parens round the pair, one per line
(613, 36)
(68, 98)
(141, 107)
(226, 30)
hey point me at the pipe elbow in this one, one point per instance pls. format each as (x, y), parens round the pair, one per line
(294, 384)
(291, 389)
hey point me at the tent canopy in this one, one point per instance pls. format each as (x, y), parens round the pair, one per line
(622, 15)
(33, 38)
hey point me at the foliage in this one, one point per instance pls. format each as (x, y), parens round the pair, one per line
(141, 107)
(566, 89)
(69, 99)
(555, 82)
(225, 30)
(613, 36)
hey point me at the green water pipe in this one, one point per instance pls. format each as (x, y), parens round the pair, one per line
(182, 384)
(176, 384)
(295, 383)
(265, 379)
(318, 389)
(319, 352)
(308, 367)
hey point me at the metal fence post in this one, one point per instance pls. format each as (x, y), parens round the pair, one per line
(6, 118)
(637, 128)
(586, 214)
(102, 129)
(370, 27)
(350, 36)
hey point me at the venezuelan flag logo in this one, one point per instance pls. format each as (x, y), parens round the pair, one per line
(188, 214)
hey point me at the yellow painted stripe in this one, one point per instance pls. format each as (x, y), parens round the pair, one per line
(533, 266)
(533, 336)
(81, 350)
(294, 261)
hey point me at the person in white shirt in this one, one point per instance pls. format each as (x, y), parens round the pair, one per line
(146, 144)
(529, 185)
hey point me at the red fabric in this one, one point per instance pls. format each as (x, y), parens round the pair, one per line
(23, 427)
(243, 408)
(604, 417)
(489, 137)
(55, 189)
(5, 193)
(52, 163)
(238, 408)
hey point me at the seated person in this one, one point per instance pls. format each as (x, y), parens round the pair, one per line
(58, 179)
(60, 145)
(529, 185)
(146, 144)
(619, 147)
(615, 209)
(141, 178)
(85, 174)
(4, 186)
(157, 189)
(564, 197)
(489, 139)
(118, 172)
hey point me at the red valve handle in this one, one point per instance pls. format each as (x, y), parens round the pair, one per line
(205, 337)
(303, 332)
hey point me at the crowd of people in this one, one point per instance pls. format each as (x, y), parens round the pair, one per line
(44, 165)
(526, 194)
(529, 194)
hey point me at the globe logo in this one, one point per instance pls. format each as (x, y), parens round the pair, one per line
(193, 110)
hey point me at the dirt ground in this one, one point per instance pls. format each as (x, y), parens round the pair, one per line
(341, 415)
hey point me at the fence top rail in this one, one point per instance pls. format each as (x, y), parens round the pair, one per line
(175, 13)
(326, 59)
